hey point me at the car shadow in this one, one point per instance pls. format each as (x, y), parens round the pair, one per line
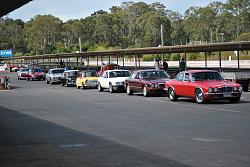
(186, 100)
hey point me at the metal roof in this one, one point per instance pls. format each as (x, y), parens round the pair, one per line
(8, 6)
(213, 47)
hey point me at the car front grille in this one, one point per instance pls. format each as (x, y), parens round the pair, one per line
(225, 89)
(161, 85)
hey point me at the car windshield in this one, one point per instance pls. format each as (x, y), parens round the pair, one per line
(114, 74)
(57, 71)
(37, 70)
(24, 69)
(71, 74)
(90, 74)
(200, 76)
(154, 74)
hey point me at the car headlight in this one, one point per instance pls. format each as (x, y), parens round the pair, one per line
(210, 90)
(215, 89)
(154, 85)
(235, 89)
(240, 88)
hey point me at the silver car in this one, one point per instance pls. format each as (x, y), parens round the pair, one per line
(54, 75)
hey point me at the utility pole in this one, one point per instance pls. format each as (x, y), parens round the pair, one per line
(80, 44)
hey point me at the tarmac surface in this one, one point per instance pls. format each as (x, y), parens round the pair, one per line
(50, 125)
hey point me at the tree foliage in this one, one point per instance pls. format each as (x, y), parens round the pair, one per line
(127, 26)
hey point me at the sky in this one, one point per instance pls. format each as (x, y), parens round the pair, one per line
(76, 9)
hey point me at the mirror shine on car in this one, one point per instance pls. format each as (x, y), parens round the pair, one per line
(203, 85)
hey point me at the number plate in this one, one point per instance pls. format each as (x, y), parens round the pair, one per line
(228, 95)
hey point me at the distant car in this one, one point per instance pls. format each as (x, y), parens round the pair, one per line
(148, 82)
(203, 85)
(69, 78)
(54, 75)
(35, 74)
(113, 80)
(88, 79)
(23, 73)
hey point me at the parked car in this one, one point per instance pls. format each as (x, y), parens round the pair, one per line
(69, 78)
(23, 73)
(88, 79)
(203, 85)
(35, 74)
(148, 82)
(54, 75)
(14, 68)
(113, 80)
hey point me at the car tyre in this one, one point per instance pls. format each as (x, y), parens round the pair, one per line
(100, 89)
(111, 89)
(171, 94)
(199, 96)
(235, 100)
(145, 91)
(83, 87)
(129, 91)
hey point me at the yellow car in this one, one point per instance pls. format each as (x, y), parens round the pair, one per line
(88, 79)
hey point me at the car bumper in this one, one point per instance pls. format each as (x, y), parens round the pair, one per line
(227, 95)
(119, 87)
(156, 90)
(91, 84)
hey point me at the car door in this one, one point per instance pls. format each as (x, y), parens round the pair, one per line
(187, 86)
(105, 80)
(178, 84)
(135, 82)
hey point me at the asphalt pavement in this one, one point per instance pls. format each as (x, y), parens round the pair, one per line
(51, 125)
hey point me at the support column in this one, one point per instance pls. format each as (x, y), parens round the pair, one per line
(238, 58)
(77, 65)
(220, 60)
(123, 60)
(206, 60)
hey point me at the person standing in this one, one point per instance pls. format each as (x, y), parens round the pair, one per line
(165, 65)
(157, 64)
(182, 65)
(5, 67)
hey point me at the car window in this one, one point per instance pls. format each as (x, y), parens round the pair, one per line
(179, 77)
(90, 74)
(200, 76)
(105, 75)
(186, 77)
(57, 71)
(137, 75)
(114, 74)
(154, 74)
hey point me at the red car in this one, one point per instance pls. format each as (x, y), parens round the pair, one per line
(147, 81)
(202, 85)
(35, 74)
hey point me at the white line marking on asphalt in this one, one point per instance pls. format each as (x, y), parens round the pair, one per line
(197, 106)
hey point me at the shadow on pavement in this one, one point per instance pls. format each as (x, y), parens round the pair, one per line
(27, 141)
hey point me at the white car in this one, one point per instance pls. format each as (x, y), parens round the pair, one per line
(54, 75)
(113, 80)
(22, 73)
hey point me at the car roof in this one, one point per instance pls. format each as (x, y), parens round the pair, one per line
(56, 69)
(196, 71)
(71, 70)
(147, 70)
(117, 70)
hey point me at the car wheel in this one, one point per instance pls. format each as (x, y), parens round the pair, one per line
(83, 87)
(199, 96)
(171, 94)
(145, 91)
(100, 89)
(129, 91)
(111, 89)
(235, 100)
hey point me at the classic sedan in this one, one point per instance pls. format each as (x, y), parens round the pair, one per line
(148, 82)
(69, 77)
(54, 75)
(203, 85)
(22, 73)
(35, 74)
(88, 79)
(113, 80)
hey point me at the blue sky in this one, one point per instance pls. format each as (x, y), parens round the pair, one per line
(66, 10)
